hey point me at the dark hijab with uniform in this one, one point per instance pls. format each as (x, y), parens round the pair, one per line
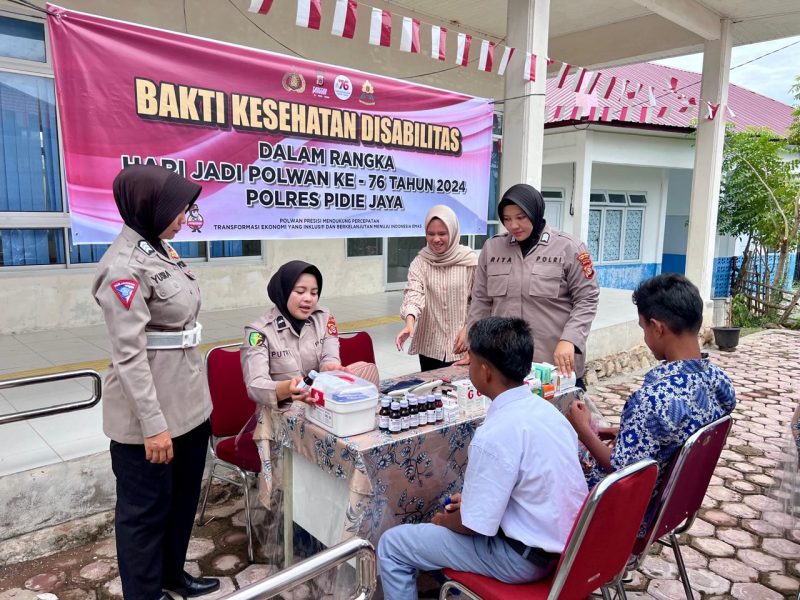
(282, 283)
(531, 202)
(150, 197)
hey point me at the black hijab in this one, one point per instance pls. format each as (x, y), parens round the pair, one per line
(150, 197)
(282, 283)
(531, 202)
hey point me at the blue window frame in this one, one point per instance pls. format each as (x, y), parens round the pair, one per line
(29, 247)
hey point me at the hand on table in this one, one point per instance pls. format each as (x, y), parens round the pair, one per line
(401, 338)
(460, 363)
(564, 357)
(158, 448)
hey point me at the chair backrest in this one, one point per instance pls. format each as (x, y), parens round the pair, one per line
(355, 346)
(685, 485)
(232, 406)
(600, 543)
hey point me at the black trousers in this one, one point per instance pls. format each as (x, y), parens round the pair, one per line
(156, 505)
(426, 363)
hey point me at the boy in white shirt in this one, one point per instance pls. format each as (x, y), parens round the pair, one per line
(522, 489)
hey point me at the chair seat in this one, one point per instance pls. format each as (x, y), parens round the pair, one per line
(492, 589)
(244, 454)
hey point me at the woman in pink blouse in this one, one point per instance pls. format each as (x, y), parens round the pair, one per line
(436, 296)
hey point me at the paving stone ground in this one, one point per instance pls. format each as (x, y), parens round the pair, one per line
(744, 545)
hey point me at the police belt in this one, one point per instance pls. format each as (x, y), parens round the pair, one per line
(537, 556)
(169, 340)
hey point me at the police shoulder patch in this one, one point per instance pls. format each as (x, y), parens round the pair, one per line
(145, 247)
(586, 263)
(171, 251)
(332, 329)
(125, 289)
(256, 338)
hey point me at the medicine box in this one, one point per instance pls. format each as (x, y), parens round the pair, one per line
(345, 404)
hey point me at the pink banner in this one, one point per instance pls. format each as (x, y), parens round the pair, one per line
(283, 147)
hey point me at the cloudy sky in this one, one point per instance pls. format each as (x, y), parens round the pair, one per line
(771, 75)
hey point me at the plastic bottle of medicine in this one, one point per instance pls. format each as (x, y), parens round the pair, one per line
(384, 413)
(431, 410)
(307, 381)
(437, 399)
(413, 412)
(404, 414)
(394, 418)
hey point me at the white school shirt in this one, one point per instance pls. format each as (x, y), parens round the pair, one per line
(523, 473)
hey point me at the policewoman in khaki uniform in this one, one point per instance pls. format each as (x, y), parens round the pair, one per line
(291, 339)
(156, 402)
(541, 275)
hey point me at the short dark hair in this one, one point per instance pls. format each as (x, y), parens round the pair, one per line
(671, 299)
(505, 343)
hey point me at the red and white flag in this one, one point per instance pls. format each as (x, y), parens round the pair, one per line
(562, 75)
(644, 114)
(729, 110)
(711, 110)
(462, 49)
(507, 54)
(623, 114)
(686, 102)
(260, 6)
(380, 28)
(438, 42)
(557, 112)
(599, 113)
(581, 76)
(594, 81)
(409, 39)
(530, 67)
(608, 88)
(344, 18)
(629, 90)
(663, 112)
(672, 84)
(575, 113)
(486, 57)
(309, 14)
(651, 95)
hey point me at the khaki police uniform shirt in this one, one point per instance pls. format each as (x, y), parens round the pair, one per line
(272, 351)
(553, 288)
(149, 391)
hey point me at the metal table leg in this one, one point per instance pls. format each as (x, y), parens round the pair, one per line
(288, 508)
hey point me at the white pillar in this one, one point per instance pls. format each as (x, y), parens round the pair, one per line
(583, 186)
(708, 163)
(662, 215)
(527, 30)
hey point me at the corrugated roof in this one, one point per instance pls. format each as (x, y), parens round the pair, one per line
(751, 109)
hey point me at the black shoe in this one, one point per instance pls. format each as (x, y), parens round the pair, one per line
(190, 587)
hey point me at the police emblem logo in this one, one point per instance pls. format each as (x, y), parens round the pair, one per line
(294, 82)
(545, 237)
(367, 94)
(332, 329)
(281, 322)
(125, 289)
(586, 262)
(145, 247)
(256, 338)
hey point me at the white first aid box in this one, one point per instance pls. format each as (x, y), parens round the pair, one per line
(345, 404)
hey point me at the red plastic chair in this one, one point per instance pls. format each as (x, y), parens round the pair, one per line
(682, 491)
(232, 410)
(355, 346)
(596, 551)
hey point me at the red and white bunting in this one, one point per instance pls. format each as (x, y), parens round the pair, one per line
(651, 95)
(309, 14)
(344, 18)
(672, 84)
(380, 28)
(600, 113)
(530, 67)
(663, 112)
(644, 114)
(438, 42)
(594, 81)
(581, 76)
(557, 112)
(623, 114)
(686, 102)
(575, 113)
(260, 6)
(711, 110)
(486, 57)
(608, 88)
(562, 75)
(729, 111)
(507, 54)
(462, 49)
(409, 40)
(629, 90)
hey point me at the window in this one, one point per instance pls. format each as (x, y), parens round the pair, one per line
(553, 207)
(357, 247)
(616, 223)
(34, 215)
(493, 220)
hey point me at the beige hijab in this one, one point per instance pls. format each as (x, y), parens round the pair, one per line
(456, 253)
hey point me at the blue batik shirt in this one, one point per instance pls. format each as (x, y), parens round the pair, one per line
(676, 399)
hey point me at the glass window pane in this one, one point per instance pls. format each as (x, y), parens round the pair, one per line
(597, 198)
(593, 242)
(85, 253)
(30, 178)
(190, 249)
(494, 181)
(637, 198)
(22, 39)
(232, 248)
(364, 247)
(480, 240)
(497, 124)
(552, 194)
(612, 235)
(633, 234)
(617, 198)
(25, 247)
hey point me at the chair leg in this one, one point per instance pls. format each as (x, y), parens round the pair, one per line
(621, 591)
(687, 588)
(453, 585)
(606, 593)
(205, 494)
(248, 516)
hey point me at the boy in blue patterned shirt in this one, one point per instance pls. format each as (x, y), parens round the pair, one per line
(678, 397)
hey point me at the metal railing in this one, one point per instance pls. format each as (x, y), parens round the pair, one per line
(36, 413)
(315, 566)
